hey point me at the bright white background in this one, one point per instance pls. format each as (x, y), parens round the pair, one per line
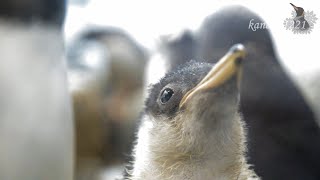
(146, 20)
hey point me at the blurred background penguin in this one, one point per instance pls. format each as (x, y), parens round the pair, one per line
(36, 124)
(106, 76)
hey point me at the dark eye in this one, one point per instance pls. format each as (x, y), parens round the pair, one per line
(166, 95)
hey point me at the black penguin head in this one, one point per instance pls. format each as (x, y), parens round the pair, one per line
(229, 26)
(179, 48)
(198, 90)
(165, 96)
(299, 10)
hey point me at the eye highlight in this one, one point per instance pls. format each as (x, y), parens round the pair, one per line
(166, 95)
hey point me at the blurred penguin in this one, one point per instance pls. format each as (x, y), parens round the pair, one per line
(172, 51)
(105, 78)
(311, 87)
(36, 127)
(284, 139)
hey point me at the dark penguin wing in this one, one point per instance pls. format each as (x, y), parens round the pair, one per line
(283, 139)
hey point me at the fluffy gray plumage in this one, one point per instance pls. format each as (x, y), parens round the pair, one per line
(204, 140)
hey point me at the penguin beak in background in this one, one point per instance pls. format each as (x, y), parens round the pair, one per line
(226, 67)
(295, 7)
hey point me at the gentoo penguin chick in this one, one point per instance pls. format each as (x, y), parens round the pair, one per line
(191, 128)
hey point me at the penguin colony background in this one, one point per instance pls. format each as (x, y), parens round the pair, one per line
(72, 110)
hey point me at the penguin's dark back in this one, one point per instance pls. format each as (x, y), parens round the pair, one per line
(283, 139)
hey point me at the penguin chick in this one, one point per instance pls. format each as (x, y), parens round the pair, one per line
(191, 128)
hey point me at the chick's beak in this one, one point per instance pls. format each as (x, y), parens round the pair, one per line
(226, 67)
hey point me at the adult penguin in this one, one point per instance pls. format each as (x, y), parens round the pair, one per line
(106, 78)
(36, 126)
(283, 139)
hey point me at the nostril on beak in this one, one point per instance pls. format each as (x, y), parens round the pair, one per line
(239, 52)
(238, 61)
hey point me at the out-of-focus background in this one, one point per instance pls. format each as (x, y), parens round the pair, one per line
(118, 38)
